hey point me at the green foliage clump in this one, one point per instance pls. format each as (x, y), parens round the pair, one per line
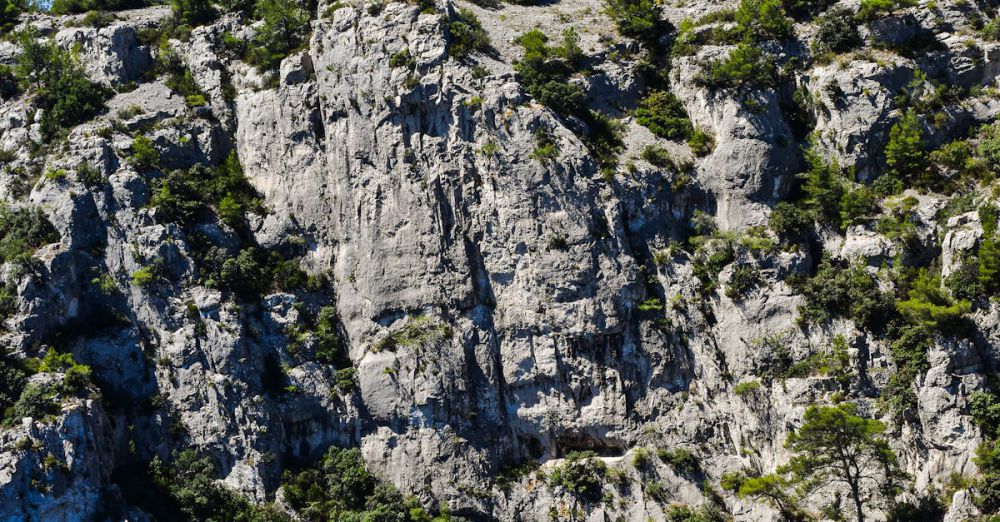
(62, 7)
(906, 153)
(638, 19)
(10, 10)
(64, 93)
(790, 221)
(746, 387)
(36, 401)
(759, 20)
(743, 281)
(144, 156)
(909, 354)
(545, 71)
(845, 292)
(985, 410)
(701, 142)
(418, 331)
(339, 487)
(186, 489)
(683, 460)
(329, 347)
(745, 66)
(871, 9)
(192, 13)
(929, 306)
(773, 489)
(22, 231)
(284, 31)
(13, 377)
(76, 377)
(185, 196)
(838, 31)
(836, 445)
(664, 115)
(466, 34)
(580, 474)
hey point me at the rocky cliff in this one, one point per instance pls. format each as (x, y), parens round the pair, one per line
(434, 262)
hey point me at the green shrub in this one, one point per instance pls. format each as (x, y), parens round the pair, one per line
(144, 156)
(657, 156)
(144, 276)
(838, 31)
(823, 189)
(745, 66)
(62, 7)
(466, 34)
(192, 13)
(870, 9)
(851, 292)
(746, 387)
(664, 115)
(759, 20)
(638, 19)
(62, 90)
(284, 31)
(701, 142)
(36, 401)
(682, 460)
(546, 148)
(906, 153)
(790, 222)
(402, 58)
(185, 196)
(929, 306)
(186, 489)
(745, 279)
(545, 69)
(580, 474)
(13, 377)
(10, 10)
(22, 231)
(909, 354)
(341, 484)
(857, 205)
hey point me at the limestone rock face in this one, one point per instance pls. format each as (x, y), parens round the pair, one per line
(490, 304)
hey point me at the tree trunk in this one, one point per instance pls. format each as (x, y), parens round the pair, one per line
(856, 495)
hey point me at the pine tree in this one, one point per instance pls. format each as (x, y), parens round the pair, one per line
(837, 446)
(906, 153)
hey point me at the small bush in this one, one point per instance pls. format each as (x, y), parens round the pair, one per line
(580, 475)
(759, 20)
(871, 9)
(22, 231)
(838, 31)
(639, 19)
(402, 58)
(789, 221)
(664, 115)
(657, 156)
(144, 276)
(682, 460)
(144, 156)
(466, 34)
(339, 483)
(746, 65)
(930, 306)
(62, 89)
(701, 142)
(745, 279)
(746, 388)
